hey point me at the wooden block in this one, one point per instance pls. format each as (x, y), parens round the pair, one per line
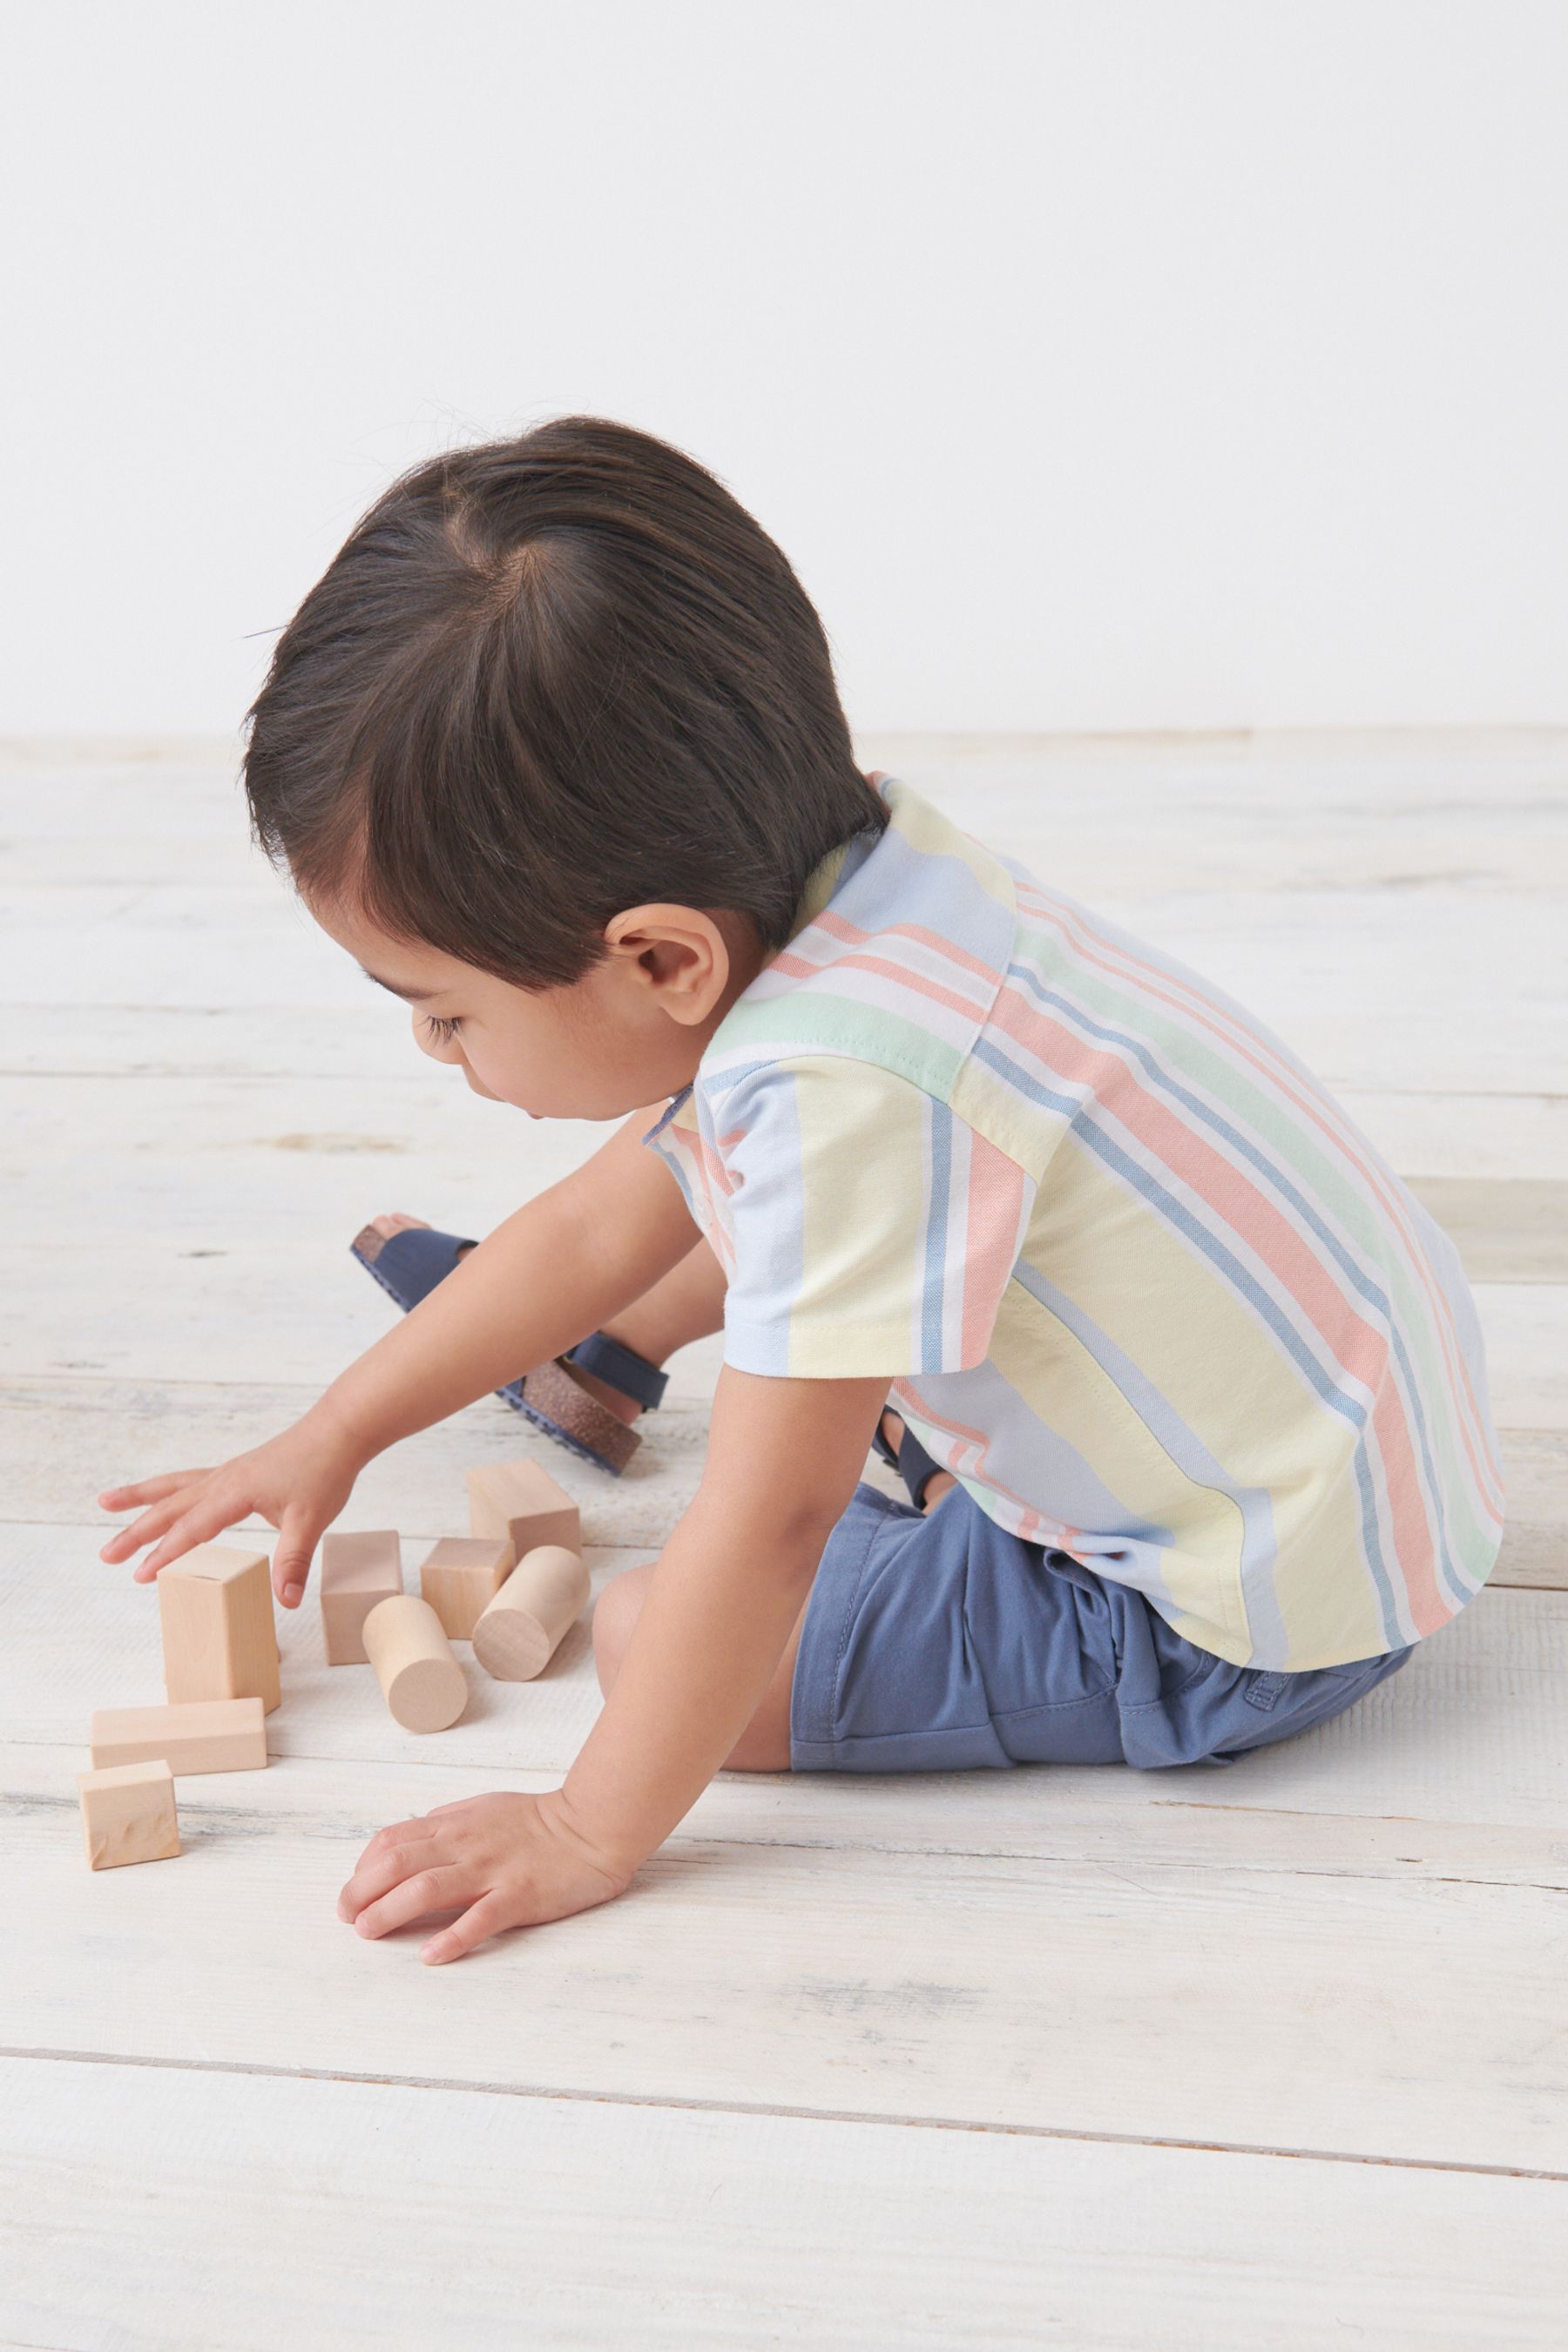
(520, 1631)
(420, 1679)
(219, 1639)
(461, 1578)
(522, 1502)
(203, 1735)
(128, 1814)
(358, 1569)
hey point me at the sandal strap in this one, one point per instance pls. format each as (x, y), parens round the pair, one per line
(621, 1367)
(916, 1467)
(409, 1262)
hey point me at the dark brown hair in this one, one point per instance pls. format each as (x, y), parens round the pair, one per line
(543, 680)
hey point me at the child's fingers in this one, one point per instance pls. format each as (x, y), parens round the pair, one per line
(441, 1889)
(204, 1519)
(144, 1530)
(382, 1867)
(297, 1536)
(407, 1832)
(483, 1919)
(148, 1490)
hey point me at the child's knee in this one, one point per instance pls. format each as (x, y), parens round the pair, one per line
(615, 1613)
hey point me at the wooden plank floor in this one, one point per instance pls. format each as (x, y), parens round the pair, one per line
(1078, 2058)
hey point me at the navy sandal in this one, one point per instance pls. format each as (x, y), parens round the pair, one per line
(912, 1462)
(410, 1263)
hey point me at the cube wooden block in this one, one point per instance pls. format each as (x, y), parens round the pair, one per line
(524, 1503)
(358, 1569)
(203, 1735)
(219, 1639)
(128, 1814)
(461, 1578)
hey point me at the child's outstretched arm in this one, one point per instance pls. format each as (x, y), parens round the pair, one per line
(569, 1260)
(784, 1459)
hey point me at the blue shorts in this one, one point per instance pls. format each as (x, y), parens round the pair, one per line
(936, 1643)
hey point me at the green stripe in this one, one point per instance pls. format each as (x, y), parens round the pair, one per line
(811, 1020)
(1303, 1157)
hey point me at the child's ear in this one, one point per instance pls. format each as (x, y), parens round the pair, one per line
(679, 954)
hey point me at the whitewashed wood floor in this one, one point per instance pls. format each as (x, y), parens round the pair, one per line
(1066, 2058)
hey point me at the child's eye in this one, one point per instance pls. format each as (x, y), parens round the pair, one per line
(442, 1030)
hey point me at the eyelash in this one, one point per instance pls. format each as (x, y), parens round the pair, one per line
(442, 1030)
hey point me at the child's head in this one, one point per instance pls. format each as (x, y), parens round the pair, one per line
(554, 741)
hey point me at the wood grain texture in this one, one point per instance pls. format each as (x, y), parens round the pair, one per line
(1349, 1945)
(1535, 1539)
(1356, 2016)
(128, 1814)
(1513, 1230)
(1473, 1728)
(217, 1735)
(68, 1436)
(645, 2227)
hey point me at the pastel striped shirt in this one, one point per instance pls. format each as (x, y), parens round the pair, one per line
(1133, 1274)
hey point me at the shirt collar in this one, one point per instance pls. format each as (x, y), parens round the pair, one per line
(820, 885)
(825, 875)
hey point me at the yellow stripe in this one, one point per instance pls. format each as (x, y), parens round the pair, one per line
(860, 1222)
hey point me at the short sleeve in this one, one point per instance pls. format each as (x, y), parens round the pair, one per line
(870, 1228)
(675, 1139)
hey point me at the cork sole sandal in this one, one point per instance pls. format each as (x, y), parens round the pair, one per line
(557, 1398)
(410, 1263)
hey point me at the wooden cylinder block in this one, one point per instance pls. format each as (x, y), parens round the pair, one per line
(518, 1632)
(420, 1679)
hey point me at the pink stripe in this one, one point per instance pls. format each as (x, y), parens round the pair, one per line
(849, 934)
(995, 1199)
(1357, 1347)
(1487, 1474)
(1401, 1480)
(1036, 1527)
(1265, 1060)
(794, 968)
(839, 926)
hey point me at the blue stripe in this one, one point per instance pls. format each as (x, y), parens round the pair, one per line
(1373, 1295)
(1202, 1113)
(1183, 1221)
(723, 1082)
(939, 1132)
(764, 1287)
(1265, 1628)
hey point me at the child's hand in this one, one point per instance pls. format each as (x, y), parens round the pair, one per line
(513, 1861)
(300, 1481)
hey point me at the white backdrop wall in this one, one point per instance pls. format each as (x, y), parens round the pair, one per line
(1100, 364)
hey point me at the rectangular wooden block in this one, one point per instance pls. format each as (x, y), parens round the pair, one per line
(219, 1639)
(203, 1735)
(461, 1578)
(358, 1568)
(128, 1814)
(524, 1503)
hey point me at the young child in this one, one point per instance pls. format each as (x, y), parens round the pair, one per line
(553, 750)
